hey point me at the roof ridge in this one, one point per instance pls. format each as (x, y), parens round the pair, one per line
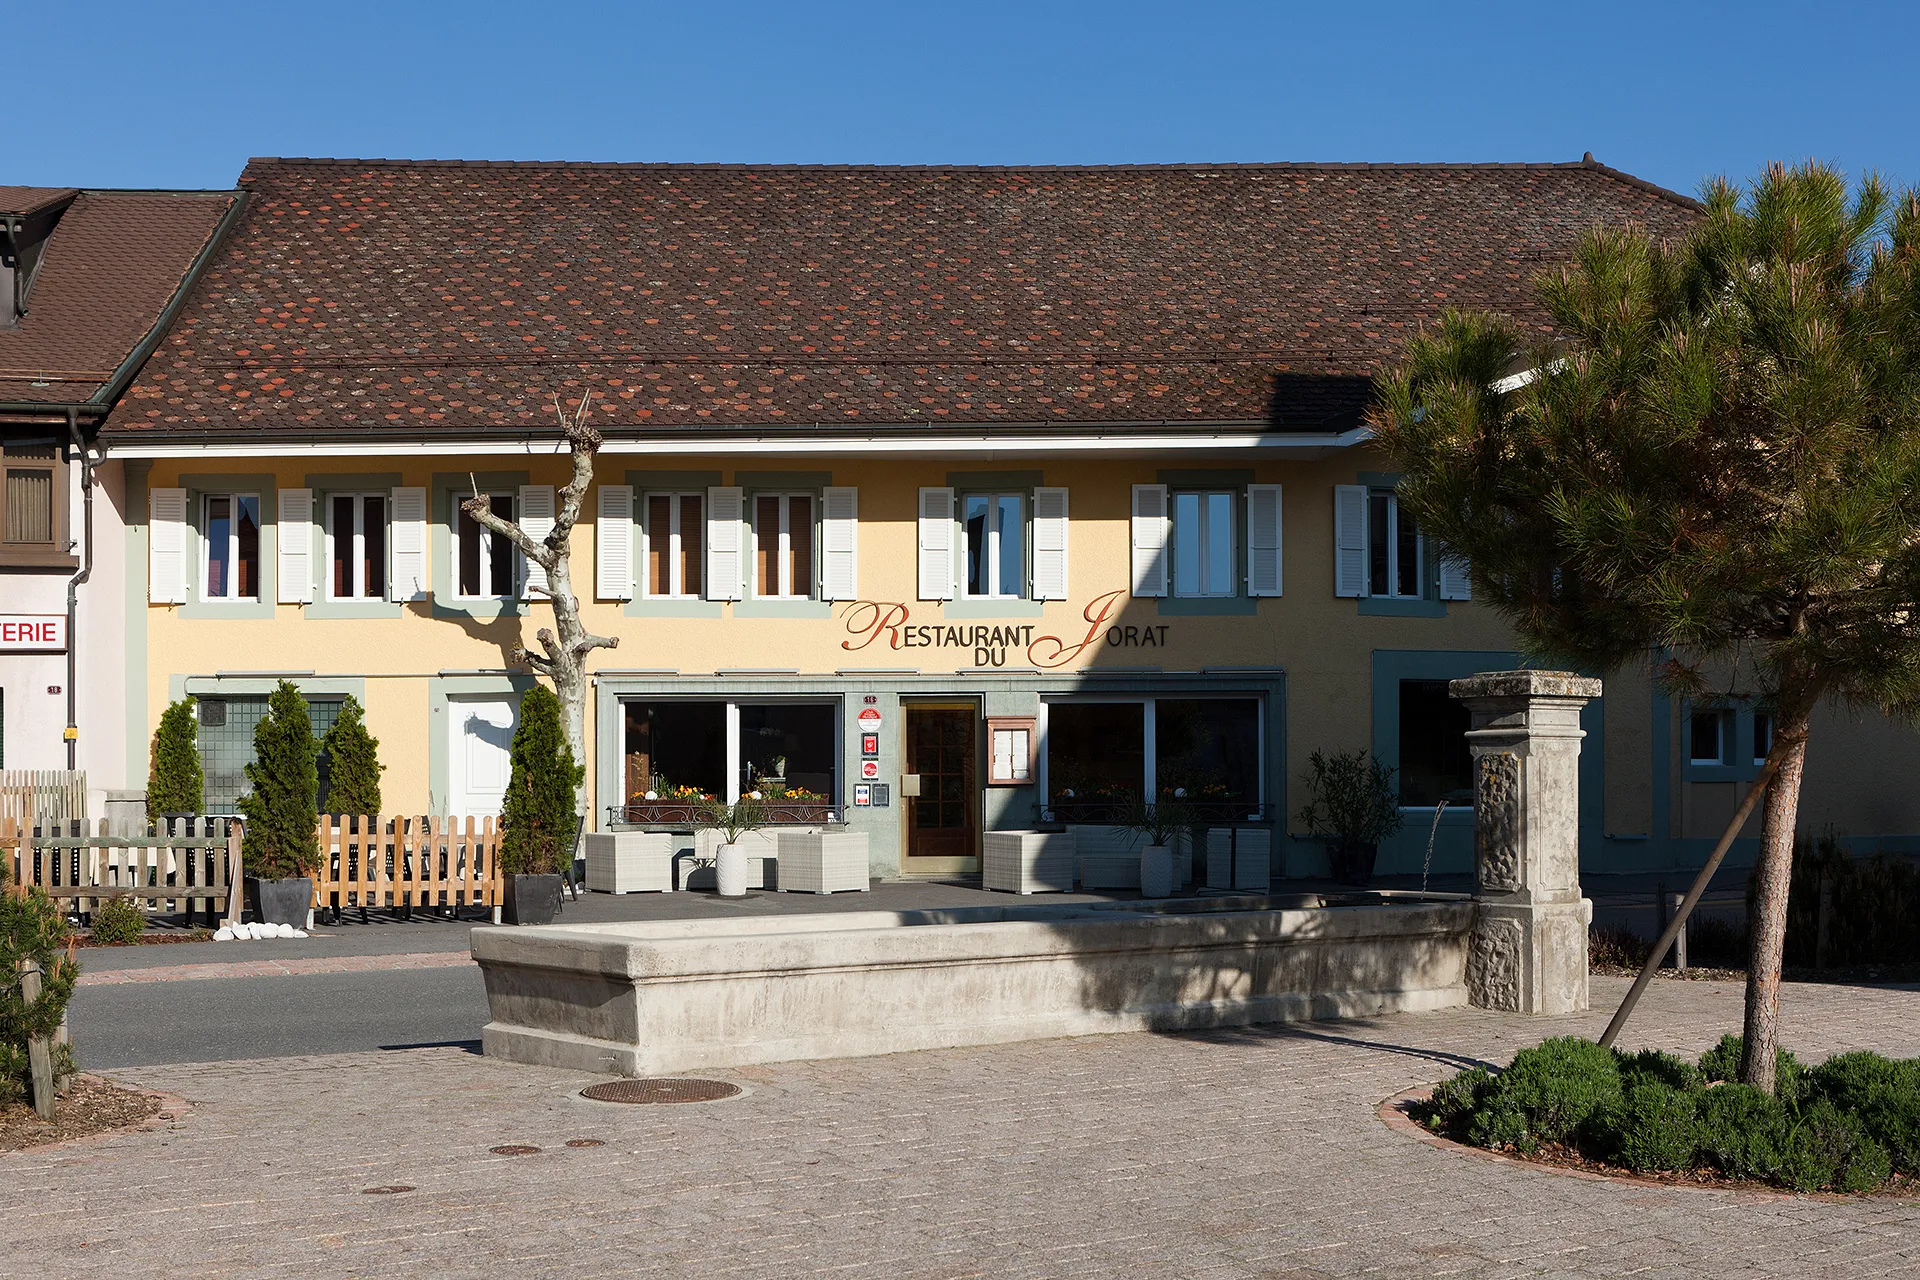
(738, 167)
(1685, 202)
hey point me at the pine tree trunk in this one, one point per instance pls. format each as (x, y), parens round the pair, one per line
(1769, 923)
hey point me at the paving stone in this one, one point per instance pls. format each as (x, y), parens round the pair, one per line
(1243, 1153)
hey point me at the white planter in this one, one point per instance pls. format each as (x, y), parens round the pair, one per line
(1027, 861)
(730, 868)
(1156, 871)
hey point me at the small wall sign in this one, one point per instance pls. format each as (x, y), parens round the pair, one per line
(862, 795)
(33, 633)
(869, 768)
(869, 719)
(882, 795)
(1010, 751)
(870, 745)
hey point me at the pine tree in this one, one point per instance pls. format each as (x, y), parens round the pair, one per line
(175, 782)
(281, 812)
(32, 927)
(1717, 469)
(354, 768)
(539, 820)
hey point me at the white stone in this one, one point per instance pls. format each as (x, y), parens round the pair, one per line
(223, 934)
(299, 933)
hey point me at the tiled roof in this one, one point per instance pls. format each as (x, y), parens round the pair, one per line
(111, 265)
(21, 201)
(379, 297)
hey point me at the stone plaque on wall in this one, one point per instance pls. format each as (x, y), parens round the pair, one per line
(1496, 822)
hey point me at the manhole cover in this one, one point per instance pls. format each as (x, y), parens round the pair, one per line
(662, 1089)
(515, 1149)
(386, 1191)
(585, 1142)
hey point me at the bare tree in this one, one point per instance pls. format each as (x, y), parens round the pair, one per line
(567, 643)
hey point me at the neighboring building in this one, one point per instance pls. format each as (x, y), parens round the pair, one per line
(1053, 481)
(86, 280)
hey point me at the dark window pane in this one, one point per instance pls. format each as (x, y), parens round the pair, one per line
(800, 544)
(1096, 751)
(373, 523)
(659, 545)
(676, 744)
(692, 545)
(219, 547)
(766, 526)
(1209, 748)
(1705, 735)
(1379, 531)
(790, 744)
(500, 551)
(343, 547)
(1435, 764)
(247, 570)
(1409, 556)
(469, 536)
(979, 577)
(1762, 735)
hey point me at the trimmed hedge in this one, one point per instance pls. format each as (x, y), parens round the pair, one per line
(1845, 1125)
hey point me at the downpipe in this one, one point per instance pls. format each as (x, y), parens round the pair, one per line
(73, 587)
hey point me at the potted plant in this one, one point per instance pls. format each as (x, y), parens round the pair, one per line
(279, 845)
(1352, 806)
(538, 822)
(730, 822)
(1159, 825)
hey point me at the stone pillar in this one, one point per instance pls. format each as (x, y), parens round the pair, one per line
(1529, 947)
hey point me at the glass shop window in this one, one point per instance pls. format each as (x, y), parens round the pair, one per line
(676, 751)
(1435, 764)
(788, 751)
(1096, 752)
(1208, 748)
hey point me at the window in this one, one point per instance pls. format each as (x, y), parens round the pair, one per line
(783, 546)
(32, 503)
(231, 522)
(1208, 748)
(1435, 763)
(1203, 752)
(687, 751)
(1762, 735)
(357, 546)
(486, 559)
(675, 539)
(1394, 561)
(226, 744)
(1203, 538)
(1096, 752)
(996, 546)
(1704, 737)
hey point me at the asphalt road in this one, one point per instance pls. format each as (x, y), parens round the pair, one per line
(218, 1019)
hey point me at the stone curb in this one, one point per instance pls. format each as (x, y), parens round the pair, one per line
(276, 968)
(1392, 1112)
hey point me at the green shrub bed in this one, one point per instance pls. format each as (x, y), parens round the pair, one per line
(1850, 1124)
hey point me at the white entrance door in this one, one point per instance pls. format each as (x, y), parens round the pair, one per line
(480, 753)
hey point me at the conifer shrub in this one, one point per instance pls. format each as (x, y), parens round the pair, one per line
(354, 768)
(1738, 1130)
(1722, 1062)
(32, 927)
(1559, 1085)
(538, 821)
(175, 781)
(1653, 1126)
(1655, 1064)
(116, 922)
(281, 809)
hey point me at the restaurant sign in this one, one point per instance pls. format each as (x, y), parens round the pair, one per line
(891, 623)
(33, 632)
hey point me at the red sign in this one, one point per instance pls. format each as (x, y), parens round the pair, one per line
(27, 632)
(870, 719)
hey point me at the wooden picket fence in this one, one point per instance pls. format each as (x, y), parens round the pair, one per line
(27, 794)
(184, 862)
(378, 862)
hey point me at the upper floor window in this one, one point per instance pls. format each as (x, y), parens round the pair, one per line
(783, 545)
(675, 535)
(1762, 736)
(486, 559)
(995, 525)
(1203, 541)
(232, 530)
(30, 497)
(1396, 567)
(1706, 737)
(357, 545)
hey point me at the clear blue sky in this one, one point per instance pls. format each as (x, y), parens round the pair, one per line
(178, 93)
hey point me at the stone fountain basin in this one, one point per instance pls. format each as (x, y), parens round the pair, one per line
(654, 998)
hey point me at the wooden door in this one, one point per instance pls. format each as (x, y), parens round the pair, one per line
(941, 821)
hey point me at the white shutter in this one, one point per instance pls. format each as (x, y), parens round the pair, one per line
(293, 547)
(936, 544)
(725, 510)
(1263, 539)
(167, 546)
(1349, 540)
(536, 521)
(1456, 578)
(407, 540)
(613, 543)
(1049, 544)
(1149, 540)
(839, 542)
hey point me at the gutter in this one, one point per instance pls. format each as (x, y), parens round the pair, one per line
(73, 587)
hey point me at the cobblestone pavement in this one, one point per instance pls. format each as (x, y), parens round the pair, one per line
(1229, 1154)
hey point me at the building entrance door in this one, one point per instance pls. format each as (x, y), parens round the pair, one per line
(942, 820)
(480, 755)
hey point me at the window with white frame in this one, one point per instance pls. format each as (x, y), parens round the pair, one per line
(230, 524)
(1707, 736)
(783, 546)
(996, 545)
(357, 546)
(1101, 755)
(673, 527)
(1203, 541)
(485, 564)
(1396, 567)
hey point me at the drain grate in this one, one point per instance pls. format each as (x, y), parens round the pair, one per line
(515, 1149)
(585, 1142)
(661, 1089)
(396, 1189)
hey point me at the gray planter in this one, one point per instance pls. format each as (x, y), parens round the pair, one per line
(1352, 862)
(531, 899)
(280, 901)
